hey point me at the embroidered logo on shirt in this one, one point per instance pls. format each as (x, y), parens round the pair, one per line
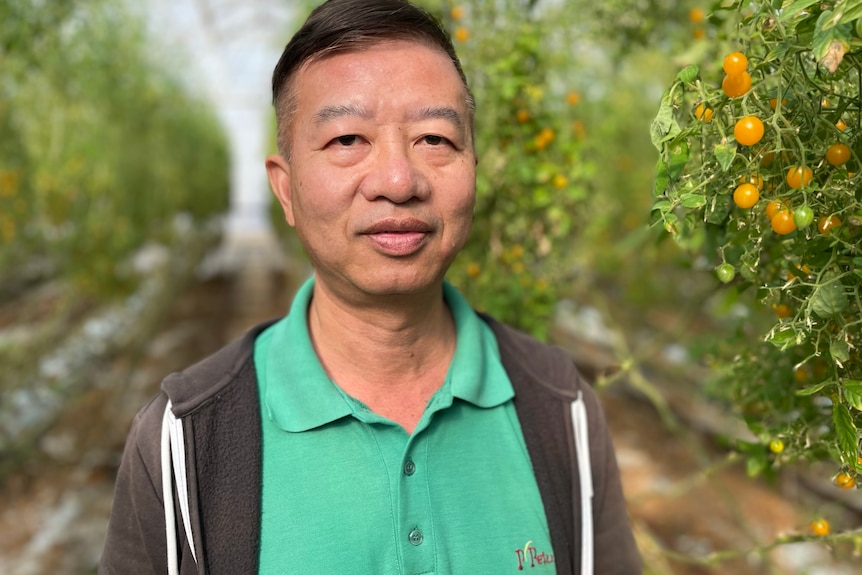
(531, 557)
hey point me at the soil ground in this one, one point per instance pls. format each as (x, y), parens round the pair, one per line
(53, 512)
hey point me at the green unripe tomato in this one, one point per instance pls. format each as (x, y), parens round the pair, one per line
(803, 216)
(725, 273)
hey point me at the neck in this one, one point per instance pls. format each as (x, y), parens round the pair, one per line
(386, 340)
(392, 355)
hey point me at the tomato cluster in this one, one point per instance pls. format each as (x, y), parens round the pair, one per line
(761, 149)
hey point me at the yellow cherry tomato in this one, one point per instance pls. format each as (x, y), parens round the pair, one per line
(736, 85)
(783, 222)
(745, 195)
(819, 527)
(799, 176)
(748, 130)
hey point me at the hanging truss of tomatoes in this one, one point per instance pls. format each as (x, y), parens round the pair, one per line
(760, 173)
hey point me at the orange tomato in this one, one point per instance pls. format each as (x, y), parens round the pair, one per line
(736, 85)
(782, 310)
(703, 113)
(844, 481)
(746, 195)
(748, 130)
(783, 223)
(735, 63)
(838, 154)
(752, 179)
(819, 527)
(775, 206)
(828, 223)
(799, 176)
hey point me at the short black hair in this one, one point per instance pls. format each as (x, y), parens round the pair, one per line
(345, 25)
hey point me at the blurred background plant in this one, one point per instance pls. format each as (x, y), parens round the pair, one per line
(110, 169)
(101, 150)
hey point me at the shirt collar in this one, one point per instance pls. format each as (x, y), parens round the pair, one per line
(299, 395)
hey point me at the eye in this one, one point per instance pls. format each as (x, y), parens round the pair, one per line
(433, 140)
(347, 140)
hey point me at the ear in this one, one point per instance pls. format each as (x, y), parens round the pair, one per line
(278, 171)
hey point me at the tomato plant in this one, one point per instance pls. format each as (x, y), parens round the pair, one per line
(793, 108)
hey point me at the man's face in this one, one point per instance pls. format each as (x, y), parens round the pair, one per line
(381, 179)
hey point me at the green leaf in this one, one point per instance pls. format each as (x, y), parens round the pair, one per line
(688, 74)
(782, 337)
(664, 127)
(791, 11)
(662, 179)
(848, 13)
(848, 435)
(724, 153)
(662, 205)
(718, 210)
(693, 200)
(853, 392)
(826, 32)
(679, 154)
(854, 399)
(755, 465)
(839, 350)
(812, 389)
(829, 299)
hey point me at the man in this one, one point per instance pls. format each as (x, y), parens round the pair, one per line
(381, 426)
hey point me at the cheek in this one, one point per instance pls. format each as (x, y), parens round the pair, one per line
(316, 202)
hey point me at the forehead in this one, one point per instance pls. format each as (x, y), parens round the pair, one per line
(385, 68)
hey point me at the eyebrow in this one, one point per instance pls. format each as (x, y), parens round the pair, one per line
(442, 113)
(328, 113)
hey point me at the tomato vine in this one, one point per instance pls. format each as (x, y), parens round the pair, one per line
(795, 124)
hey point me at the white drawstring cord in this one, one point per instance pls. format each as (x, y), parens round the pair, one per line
(173, 459)
(168, 494)
(582, 447)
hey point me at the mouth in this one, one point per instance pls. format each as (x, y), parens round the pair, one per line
(396, 237)
(397, 226)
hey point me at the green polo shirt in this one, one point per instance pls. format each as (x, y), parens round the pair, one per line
(346, 491)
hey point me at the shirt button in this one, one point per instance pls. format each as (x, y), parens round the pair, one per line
(409, 467)
(415, 537)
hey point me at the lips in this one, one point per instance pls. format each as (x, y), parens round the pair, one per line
(398, 237)
(396, 226)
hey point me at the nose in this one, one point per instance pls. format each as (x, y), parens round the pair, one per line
(394, 174)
